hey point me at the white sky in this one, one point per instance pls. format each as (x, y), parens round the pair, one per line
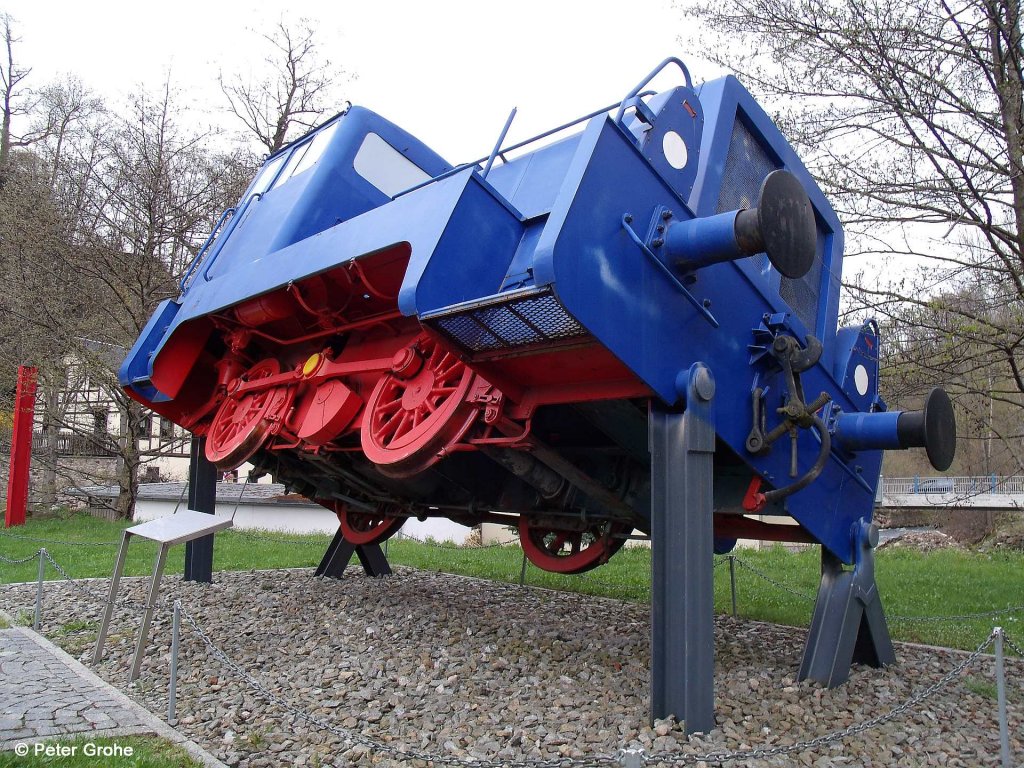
(448, 72)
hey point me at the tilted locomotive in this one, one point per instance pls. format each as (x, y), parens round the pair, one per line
(394, 336)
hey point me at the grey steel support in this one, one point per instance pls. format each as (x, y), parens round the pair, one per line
(682, 446)
(202, 497)
(147, 614)
(848, 624)
(115, 581)
(339, 553)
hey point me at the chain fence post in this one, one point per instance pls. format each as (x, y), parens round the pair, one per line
(522, 571)
(1004, 730)
(38, 619)
(732, 582)
(632, 758)
(172, 686)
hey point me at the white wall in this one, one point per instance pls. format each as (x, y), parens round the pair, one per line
(300, 518)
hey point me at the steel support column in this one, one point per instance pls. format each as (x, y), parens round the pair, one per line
(682, 446)
(202, 497)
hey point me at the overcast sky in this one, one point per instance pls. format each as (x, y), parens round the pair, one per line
(449, 72)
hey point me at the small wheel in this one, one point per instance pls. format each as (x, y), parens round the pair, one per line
(359, 527)
(242, 424)
(417, 409)
(561, 550)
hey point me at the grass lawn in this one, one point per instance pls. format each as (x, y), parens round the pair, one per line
(147, 752)
(911, 584)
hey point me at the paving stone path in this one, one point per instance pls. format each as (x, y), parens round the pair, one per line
(45, 693)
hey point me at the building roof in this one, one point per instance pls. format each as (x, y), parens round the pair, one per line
(227, 493)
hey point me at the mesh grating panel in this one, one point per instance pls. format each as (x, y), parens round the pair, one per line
(513, 323)
(802, 294)
(745, 169)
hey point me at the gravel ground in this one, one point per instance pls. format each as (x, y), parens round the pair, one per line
(465, 668)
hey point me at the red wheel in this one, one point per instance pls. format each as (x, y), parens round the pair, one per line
(360, 527)
(562, 550)
(417, 409)
(242, 424)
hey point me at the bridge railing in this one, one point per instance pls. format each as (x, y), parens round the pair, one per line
(956, 486)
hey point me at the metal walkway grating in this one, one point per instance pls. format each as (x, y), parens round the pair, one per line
(508, 322)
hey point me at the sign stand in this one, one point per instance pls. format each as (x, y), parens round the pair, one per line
(183, 526)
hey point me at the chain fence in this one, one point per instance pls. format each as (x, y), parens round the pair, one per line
(1016, 648)
(672, 757)
(619, 587)
(12, 561)
(623, 757)
(774, 582)
(40, 540)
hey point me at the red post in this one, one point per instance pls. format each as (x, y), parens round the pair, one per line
(21, 446)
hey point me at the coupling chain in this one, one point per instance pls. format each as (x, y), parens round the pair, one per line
(820, 741)
(354, 737)
(803, 596)
(12, 561)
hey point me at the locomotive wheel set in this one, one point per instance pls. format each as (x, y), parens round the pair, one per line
(632, 327)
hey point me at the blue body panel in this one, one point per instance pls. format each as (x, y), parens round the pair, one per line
(577, 223)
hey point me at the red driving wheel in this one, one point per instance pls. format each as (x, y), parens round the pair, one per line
(359, 527)
(417, 409)
(242, 424)
(571, 551)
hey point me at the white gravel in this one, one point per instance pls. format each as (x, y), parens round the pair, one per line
(475, 669)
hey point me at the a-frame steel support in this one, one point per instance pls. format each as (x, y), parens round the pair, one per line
(848, 623)
(340, 552)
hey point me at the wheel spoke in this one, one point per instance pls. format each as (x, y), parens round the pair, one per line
(400, 430)
(387, 428)
(386, 408)
(442, 375)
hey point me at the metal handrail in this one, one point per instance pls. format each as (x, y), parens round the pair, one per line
(955, 486)
(186, 278)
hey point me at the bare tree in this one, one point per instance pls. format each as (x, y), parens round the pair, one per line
(910, 117)
(291, 95)
(17, 99)
(96, 225)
